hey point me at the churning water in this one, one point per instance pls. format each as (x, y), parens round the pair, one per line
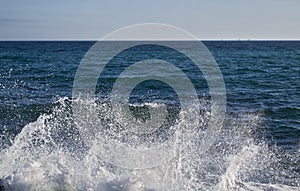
(43, 148)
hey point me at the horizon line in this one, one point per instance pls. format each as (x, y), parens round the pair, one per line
(150, 40)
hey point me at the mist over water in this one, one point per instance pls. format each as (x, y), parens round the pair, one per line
(42, 147)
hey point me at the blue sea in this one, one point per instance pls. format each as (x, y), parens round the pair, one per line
(42, 147)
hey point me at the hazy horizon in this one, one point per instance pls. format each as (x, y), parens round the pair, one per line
(91, 20)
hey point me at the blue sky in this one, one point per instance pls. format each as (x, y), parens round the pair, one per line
(92, 19)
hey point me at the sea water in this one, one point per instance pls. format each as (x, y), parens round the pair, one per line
(42, 148)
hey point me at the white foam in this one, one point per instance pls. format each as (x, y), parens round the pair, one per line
(37, 161)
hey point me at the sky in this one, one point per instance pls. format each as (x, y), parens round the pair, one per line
(93, 19)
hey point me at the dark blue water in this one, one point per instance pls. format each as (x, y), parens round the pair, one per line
(262, 79)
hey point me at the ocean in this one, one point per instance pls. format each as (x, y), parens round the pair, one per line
(43, 147)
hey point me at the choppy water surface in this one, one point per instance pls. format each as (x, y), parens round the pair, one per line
(258, 147)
